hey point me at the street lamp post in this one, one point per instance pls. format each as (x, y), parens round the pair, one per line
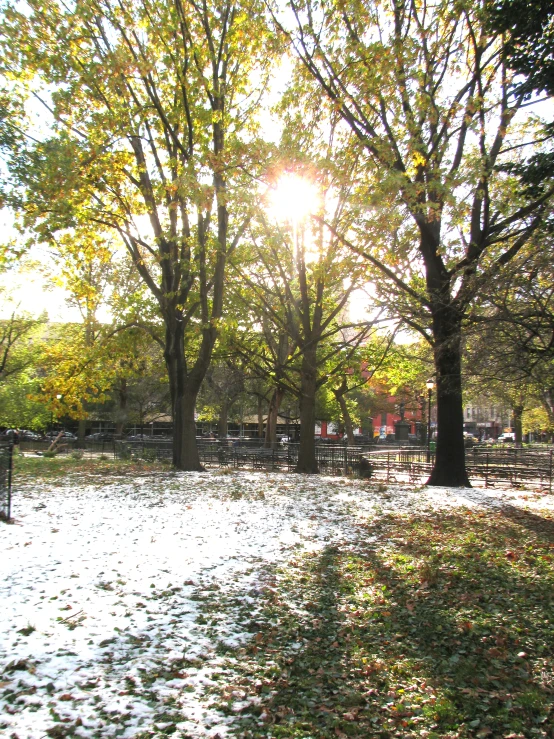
(429, 385)
(423, 422)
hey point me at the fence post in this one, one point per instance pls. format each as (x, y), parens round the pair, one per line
(550, 474)
(10, 473)
(6, 483)
(487, 470)
(345, 461)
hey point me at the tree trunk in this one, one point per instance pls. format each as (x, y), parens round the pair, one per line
(189, 458)
(260, 417)
(449, 469)
(272, 413)
(518, 424)
(122, 410)
(222, 422)
(183, 401)
(307, 462)
(348, 426)
(547, 400)
(346, 417)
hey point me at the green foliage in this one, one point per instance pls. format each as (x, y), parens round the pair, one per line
(19, 407)
(19, 339)
(529, 40)
(153, 112)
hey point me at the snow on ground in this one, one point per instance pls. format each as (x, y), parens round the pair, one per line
(101, 584)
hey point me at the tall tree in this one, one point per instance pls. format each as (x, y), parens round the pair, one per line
(152, 106)
(299, 296)
(511, 342)
(426, 91)
(527, 28)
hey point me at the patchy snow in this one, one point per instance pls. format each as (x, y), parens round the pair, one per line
(101, 584)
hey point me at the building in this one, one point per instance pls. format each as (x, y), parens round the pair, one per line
(486, 420)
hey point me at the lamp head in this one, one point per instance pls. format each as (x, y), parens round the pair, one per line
(430, 384)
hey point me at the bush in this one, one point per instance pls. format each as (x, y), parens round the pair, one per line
(149, 455)
(124, 452)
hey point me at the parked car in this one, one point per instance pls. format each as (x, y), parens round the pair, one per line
(64, 435)
(24, 435)
(507, 436)
(100, 436)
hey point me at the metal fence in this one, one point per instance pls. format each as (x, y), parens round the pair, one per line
(89, 449)
(6, 462)
(486, 466)
(248, 453)
(516, 466)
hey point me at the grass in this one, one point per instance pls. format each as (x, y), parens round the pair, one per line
(31, 468)
(444, 628)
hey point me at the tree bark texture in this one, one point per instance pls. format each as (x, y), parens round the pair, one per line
(518, 424)
(449, 468)
(260, 417)
(348, 425)
(272, 413)
(183, 400)
(222, 421)
(122, 409)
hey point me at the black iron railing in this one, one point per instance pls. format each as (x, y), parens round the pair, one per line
(6, 467)
(516, 467)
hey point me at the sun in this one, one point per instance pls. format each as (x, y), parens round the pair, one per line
(293, 199)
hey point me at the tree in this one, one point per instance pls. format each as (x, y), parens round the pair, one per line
(19, 407)
(83, 260)
(223, 385)
(16, 337)
(142, 389)
(21, 343)
(510, 347)
(299, 298)
(528, 31)
(427, 94)
(153, 105)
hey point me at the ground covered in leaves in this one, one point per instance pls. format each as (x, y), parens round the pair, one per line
(140, 603)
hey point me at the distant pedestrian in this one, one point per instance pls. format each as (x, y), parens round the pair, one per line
(16, 437)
